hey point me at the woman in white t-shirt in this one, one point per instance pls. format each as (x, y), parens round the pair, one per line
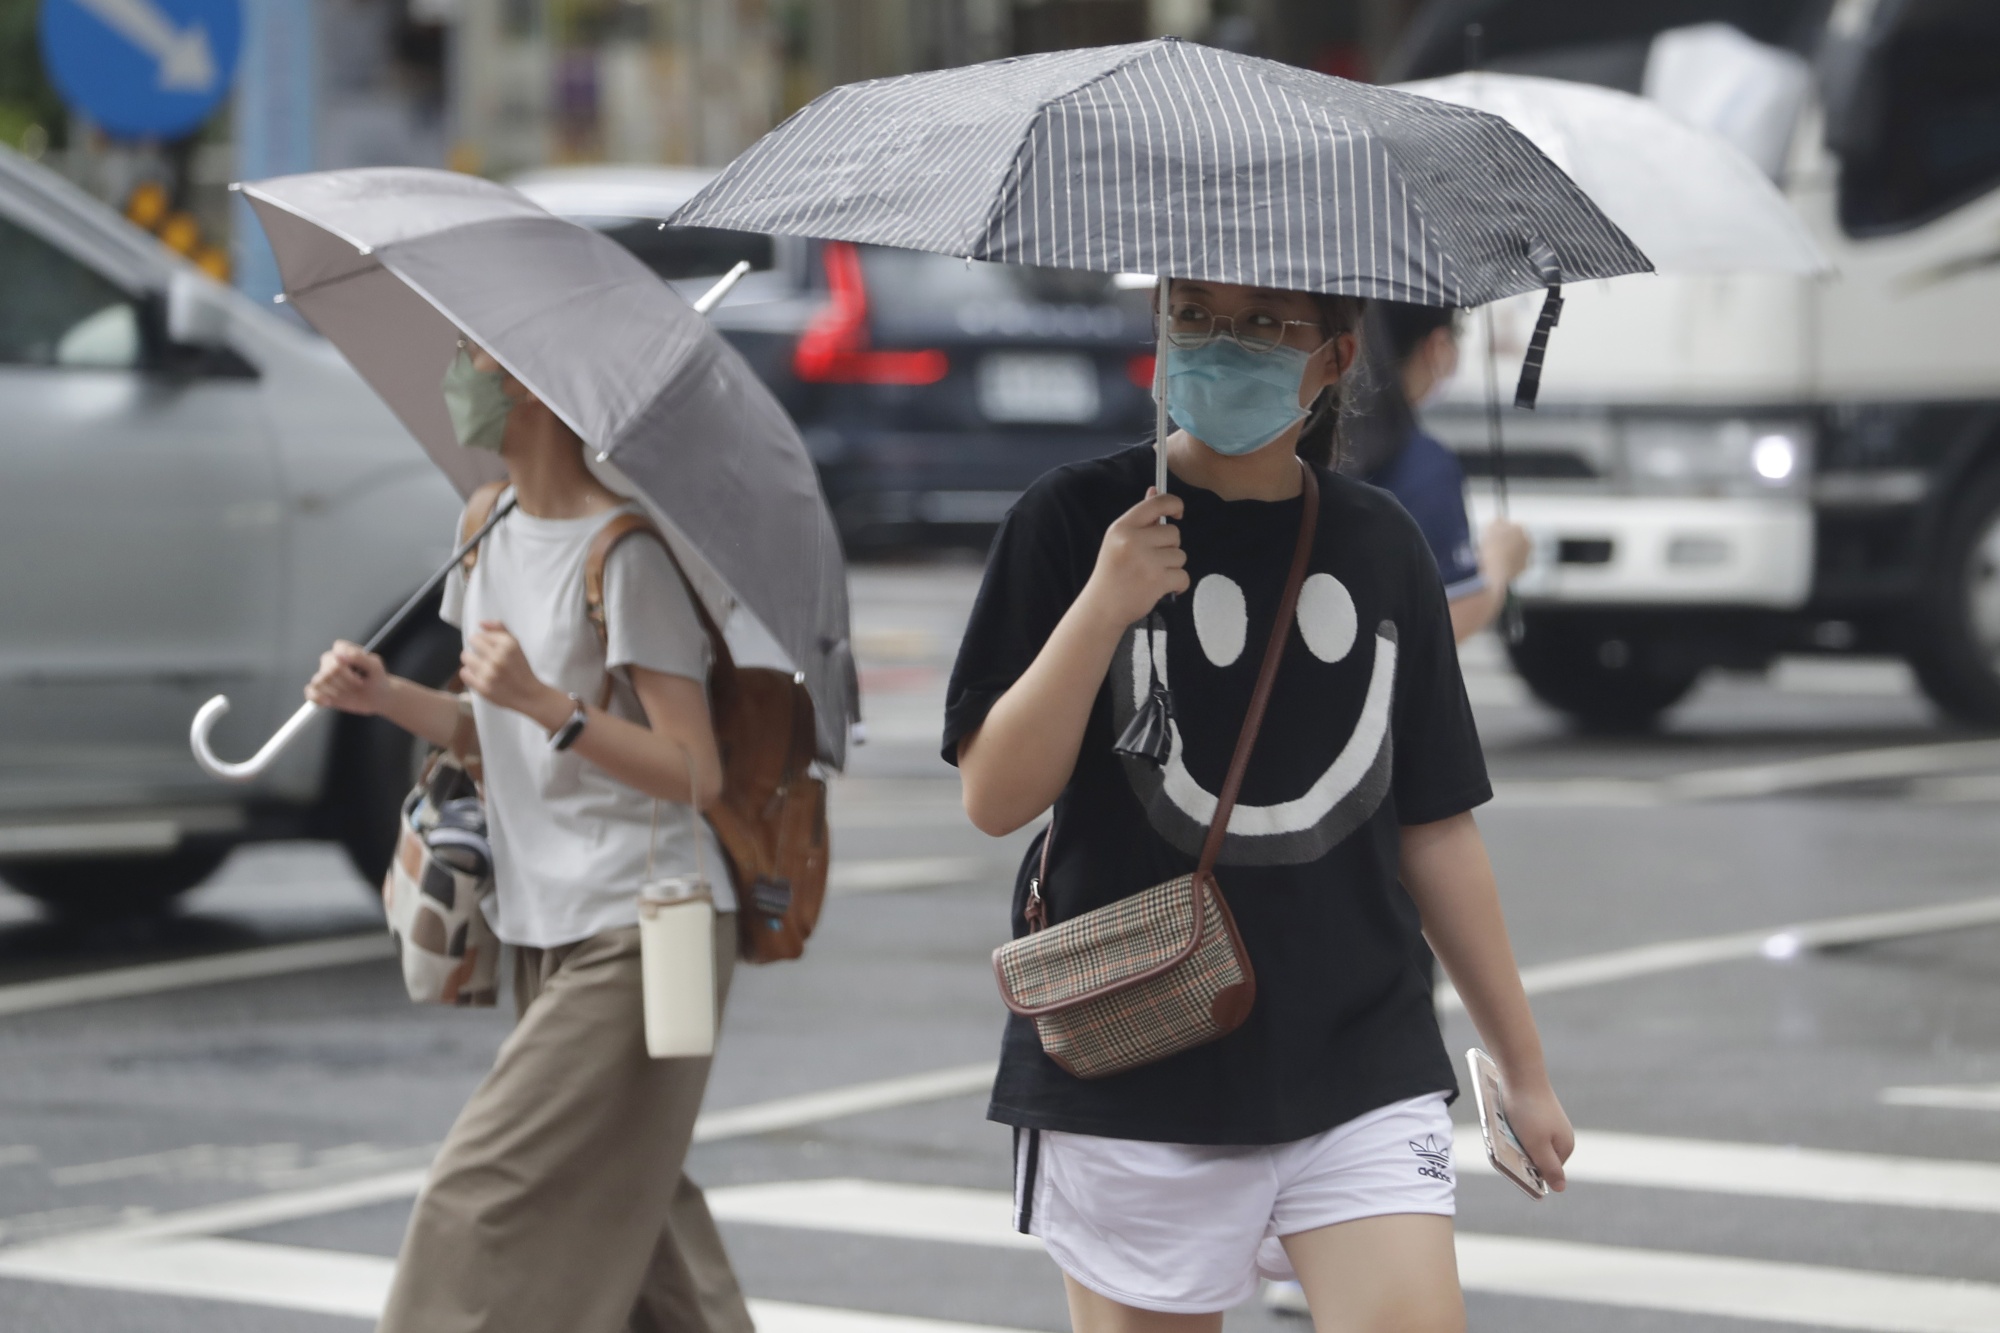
(558, 1201)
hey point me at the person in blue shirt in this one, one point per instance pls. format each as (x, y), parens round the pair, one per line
(1418, 352)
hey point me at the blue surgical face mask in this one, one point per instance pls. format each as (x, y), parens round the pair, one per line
(1232, 400)
(477, 403)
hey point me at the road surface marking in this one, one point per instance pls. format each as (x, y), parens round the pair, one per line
(1629, 793)
(813, 1107)
(292, 1277)
(1707, 1284)
(331, 1282)
(1770, 1171)
(270, 1165)
(1750, 781)
(872, 1208)
(121, 983)
(1945, 1097)
(1776, 942)
(734, 1122)
(1875, 765)
(913, 872)
(19, 1154)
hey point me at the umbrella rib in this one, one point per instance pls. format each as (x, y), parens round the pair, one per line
(293, 294)
(1010, 183)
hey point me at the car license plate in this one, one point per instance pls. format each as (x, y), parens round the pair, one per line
(1038, 386)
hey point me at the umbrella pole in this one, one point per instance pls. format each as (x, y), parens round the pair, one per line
(1512, 627)
(1496, 448)
(1160, 391)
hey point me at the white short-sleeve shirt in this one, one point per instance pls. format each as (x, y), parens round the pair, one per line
(570, 841)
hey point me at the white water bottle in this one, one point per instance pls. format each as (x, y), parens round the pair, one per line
(677, 951)
(677, 966)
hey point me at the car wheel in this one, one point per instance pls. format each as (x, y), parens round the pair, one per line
(101, 888)
(1604, 678)
(375, 763)
(1956, 649)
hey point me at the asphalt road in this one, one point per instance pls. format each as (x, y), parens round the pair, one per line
(1774, 1132)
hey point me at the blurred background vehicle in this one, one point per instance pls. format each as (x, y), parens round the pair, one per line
(195, 498)
(931, 391)
(1724, 469)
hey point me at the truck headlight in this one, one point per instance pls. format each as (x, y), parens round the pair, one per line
(1707, 456)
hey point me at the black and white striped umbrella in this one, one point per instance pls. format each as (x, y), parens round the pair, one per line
(1173, 158)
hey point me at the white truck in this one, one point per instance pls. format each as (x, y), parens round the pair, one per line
(1728, 468)
(196, 496)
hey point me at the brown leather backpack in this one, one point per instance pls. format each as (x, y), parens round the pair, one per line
(771, 817)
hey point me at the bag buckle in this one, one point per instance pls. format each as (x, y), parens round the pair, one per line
(1036, 913)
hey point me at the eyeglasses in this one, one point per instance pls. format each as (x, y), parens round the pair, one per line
(1190, 326)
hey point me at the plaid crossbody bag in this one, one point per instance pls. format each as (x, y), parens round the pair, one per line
(1164, 970)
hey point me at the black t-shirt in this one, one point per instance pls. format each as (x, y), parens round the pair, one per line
(1368, 729)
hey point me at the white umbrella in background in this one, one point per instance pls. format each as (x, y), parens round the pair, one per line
(1690, 199)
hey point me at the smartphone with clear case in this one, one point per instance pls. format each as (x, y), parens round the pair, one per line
(1503, 1147)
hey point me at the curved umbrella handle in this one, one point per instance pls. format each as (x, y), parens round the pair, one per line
(211, 713)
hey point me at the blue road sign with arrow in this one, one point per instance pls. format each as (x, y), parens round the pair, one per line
(142, 68)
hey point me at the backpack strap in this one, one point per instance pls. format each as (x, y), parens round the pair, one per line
(478, 508)
(602, 545)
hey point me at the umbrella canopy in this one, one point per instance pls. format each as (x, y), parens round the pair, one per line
(392, 263)
(1173, 158)
(1692, 200)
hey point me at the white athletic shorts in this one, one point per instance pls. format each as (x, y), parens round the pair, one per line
(1188, 1228)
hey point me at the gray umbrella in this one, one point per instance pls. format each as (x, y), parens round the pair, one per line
(392, 263)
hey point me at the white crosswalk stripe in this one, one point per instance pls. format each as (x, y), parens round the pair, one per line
(192, 1253)
(327, 1282)
(290, 1277)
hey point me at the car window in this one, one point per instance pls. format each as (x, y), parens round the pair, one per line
(1921, 135)
(917, 289)
(686, 252)
(55, 311)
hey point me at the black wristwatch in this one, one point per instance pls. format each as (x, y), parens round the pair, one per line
(565, 735)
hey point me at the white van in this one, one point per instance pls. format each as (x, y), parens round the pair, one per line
(196, 497)
(1724, 469)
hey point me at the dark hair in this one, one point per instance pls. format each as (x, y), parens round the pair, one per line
(1375, 420)
(1406, 325)
(1319, 439)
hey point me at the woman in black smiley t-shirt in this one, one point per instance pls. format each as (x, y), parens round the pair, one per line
(1314, 1138)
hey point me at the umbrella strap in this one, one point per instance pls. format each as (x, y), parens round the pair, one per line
(1530, 384)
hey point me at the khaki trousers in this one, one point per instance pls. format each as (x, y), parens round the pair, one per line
(558, 1204)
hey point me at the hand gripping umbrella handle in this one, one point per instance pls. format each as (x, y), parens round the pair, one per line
(212, 712)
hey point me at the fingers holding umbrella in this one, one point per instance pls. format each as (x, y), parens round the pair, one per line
(350, 678)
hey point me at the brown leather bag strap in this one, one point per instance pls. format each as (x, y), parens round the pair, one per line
(1253, 722)
(601, 546)
(478, 508)
(1267, 674)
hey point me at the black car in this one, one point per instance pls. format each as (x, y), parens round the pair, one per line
(931, 391)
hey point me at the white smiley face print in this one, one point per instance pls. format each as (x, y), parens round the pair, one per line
(1347, 789)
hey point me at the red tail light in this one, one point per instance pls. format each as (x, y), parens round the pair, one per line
(1140, 371)
(834, 348)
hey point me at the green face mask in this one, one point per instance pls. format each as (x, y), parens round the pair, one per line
(477, 403)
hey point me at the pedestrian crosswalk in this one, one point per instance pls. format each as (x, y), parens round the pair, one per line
(334, 1283)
